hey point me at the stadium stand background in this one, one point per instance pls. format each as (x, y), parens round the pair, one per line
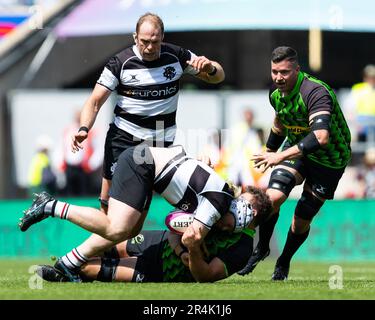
(54, 56)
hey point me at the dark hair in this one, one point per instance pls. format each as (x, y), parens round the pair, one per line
(155, 19)
(284, 53)
(262, 203)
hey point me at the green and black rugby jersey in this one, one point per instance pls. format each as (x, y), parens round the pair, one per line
(309, 96)
(234, 249)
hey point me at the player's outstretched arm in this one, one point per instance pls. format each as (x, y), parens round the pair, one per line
(88, 115)
(208, 70)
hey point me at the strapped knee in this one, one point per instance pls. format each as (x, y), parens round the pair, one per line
(107, 269)
(112, 253)
(308, 206)
(283, 180)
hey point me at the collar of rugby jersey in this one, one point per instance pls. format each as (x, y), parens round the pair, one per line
(139, 56)
(296, 88)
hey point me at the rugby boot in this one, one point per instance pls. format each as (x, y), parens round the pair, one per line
(70, 274)
(281, 273)
(36, 212)
(51, 274)
(257, 256)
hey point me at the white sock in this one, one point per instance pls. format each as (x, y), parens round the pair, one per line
(57, 209)
(74, 259)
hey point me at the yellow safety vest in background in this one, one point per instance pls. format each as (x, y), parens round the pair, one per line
(364, 95)
(38, 163)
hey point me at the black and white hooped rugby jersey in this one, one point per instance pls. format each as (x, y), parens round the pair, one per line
(192, 186)
(147, 90)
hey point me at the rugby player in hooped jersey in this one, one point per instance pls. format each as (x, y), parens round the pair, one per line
(146, 77)
(316, 152)
(186, 183)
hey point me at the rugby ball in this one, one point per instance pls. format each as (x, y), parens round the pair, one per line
(179, 221)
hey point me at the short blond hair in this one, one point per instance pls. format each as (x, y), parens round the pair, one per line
(151, 17)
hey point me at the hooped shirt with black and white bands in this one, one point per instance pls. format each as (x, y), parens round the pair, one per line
(147, 90)
(193, 186)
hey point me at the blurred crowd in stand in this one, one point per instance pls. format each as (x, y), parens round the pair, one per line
(59, 171)
(56, 169)
(359, 108)
(231, 151)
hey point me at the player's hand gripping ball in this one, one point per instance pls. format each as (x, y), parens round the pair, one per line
(179, 221)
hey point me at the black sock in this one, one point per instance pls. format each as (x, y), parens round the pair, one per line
(265, 232)
(293, 242)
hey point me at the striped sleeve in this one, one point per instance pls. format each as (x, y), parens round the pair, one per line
(111, 74)
(183, 56)
(206, 213)
(189, 69)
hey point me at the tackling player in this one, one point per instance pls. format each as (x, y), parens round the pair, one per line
(186, 183)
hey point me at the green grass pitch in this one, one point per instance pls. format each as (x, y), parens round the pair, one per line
(306, 281)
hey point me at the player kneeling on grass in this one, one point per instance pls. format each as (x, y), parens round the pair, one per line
(159, 256)
(186, 183)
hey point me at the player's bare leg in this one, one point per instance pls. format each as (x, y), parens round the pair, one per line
(121, 223)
